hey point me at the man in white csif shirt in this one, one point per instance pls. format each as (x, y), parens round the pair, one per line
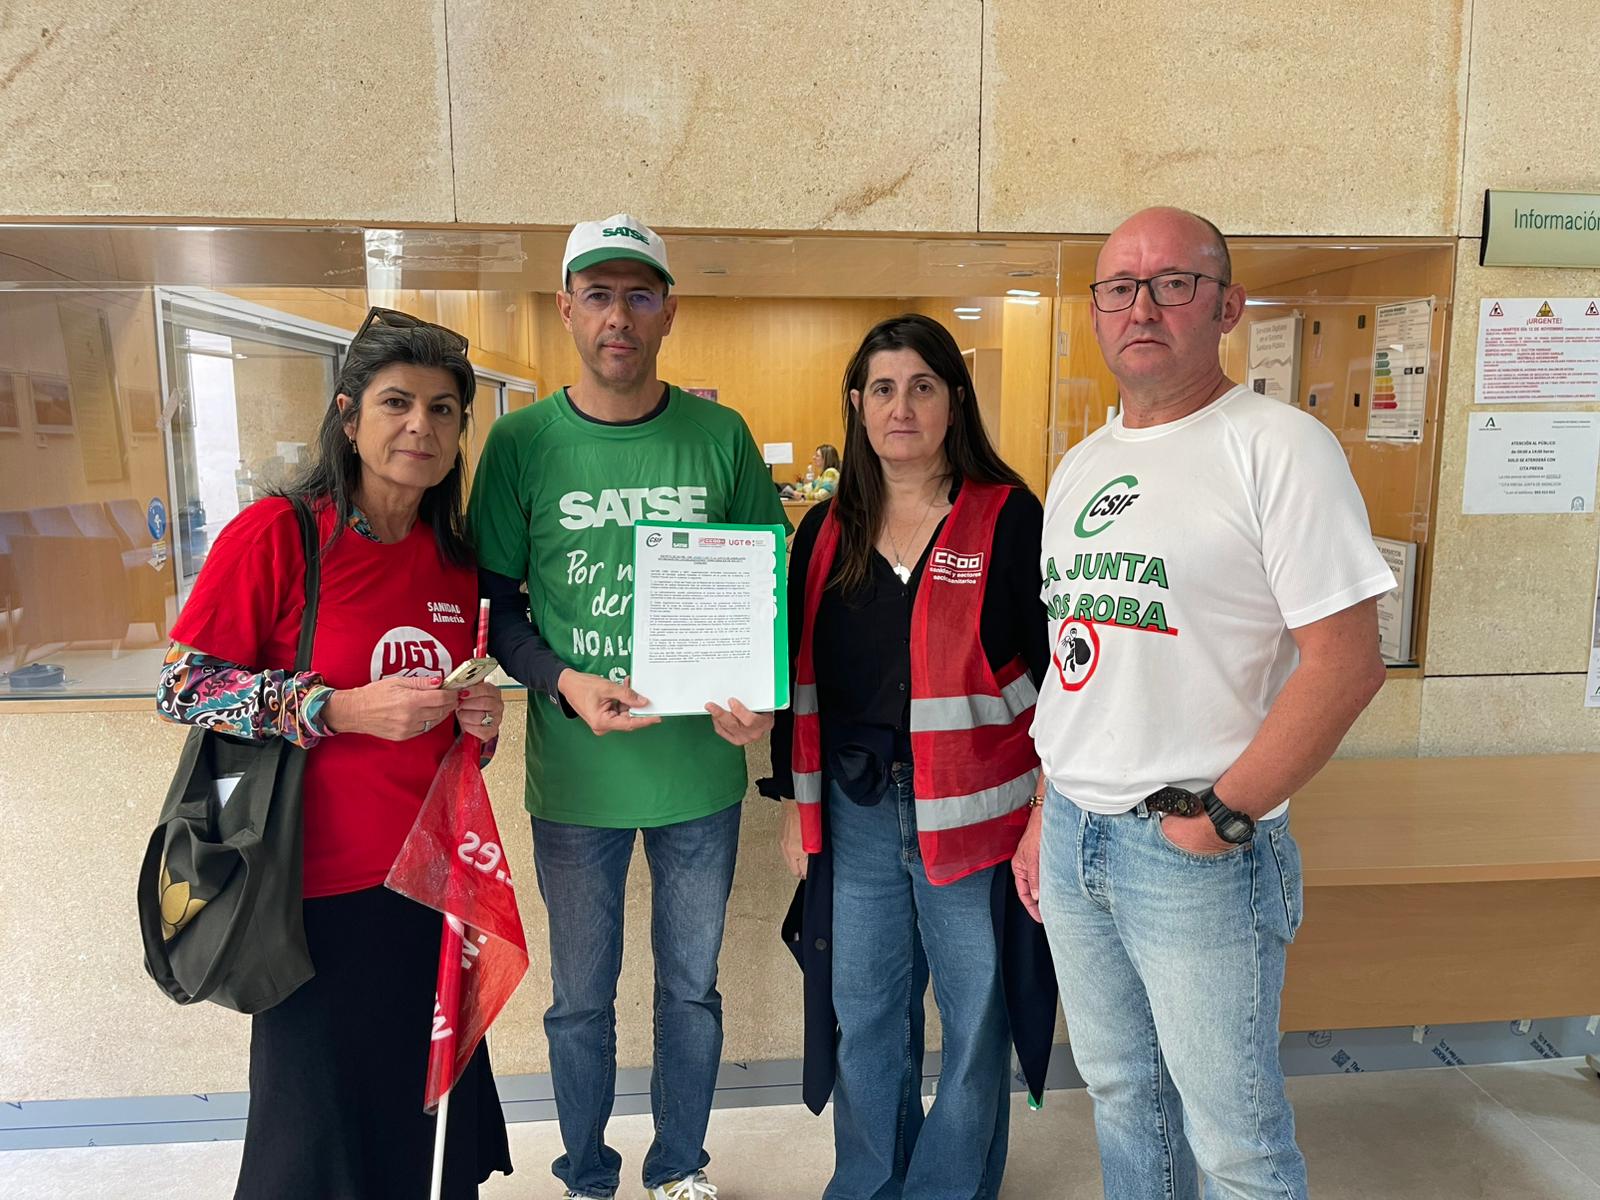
(1210, 578)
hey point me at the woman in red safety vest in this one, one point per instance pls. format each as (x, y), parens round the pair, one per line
(909, 779)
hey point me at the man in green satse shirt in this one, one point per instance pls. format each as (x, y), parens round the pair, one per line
(555, 497)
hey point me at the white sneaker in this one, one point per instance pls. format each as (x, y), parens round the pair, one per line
(692, 1187)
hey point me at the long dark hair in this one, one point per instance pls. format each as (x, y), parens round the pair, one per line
(858, 503)
(334, 473)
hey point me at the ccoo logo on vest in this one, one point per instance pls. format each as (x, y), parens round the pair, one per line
(947, 565)
(410, 652)
(1106, 505)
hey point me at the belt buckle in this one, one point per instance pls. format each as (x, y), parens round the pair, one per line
(1177, 801)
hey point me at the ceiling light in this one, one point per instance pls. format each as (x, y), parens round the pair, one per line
(969, 309)
(967, 316)
(1020, 292)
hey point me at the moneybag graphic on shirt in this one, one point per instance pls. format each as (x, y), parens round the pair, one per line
(1076, 652)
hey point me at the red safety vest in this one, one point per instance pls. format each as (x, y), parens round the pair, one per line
(975, 764)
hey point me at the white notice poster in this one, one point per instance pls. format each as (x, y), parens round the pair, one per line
(1274, 367)
(1401, 339)
(1397, 609)
(1542, 351)
(1531, 462)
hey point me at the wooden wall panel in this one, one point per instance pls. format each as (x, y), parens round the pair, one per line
(1025, 390)
(779, 363)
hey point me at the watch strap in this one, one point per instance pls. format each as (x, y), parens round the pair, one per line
(1221, 815)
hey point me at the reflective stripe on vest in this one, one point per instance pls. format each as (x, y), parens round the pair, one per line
(808, 787)
(943, 713)
(957, 812)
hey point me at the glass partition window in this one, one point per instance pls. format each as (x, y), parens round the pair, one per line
(154, 380)
(245, 394)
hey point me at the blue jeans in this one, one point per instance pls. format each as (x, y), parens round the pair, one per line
(1171, 971)
(583, 874)
(889, 925)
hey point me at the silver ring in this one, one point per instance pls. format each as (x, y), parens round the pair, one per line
(427, 725)
(488, 719)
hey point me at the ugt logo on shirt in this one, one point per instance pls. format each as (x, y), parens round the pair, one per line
(409, 651)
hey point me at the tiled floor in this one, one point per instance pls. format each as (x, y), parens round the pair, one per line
(1522, 1132)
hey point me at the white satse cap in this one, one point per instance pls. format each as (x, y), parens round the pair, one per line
(618, 236)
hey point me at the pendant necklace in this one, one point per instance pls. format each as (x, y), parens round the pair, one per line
(900, 568)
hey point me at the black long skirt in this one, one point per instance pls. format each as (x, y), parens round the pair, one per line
(337, 1070)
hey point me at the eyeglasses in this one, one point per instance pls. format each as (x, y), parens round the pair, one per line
(643, 301)
(1168, 290)
(392, 318)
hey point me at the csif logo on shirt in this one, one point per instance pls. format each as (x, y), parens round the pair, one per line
(1105, 506)
(410, 652)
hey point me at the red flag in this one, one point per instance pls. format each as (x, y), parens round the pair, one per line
(452, 861)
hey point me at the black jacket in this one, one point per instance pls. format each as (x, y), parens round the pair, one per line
(1027, 973)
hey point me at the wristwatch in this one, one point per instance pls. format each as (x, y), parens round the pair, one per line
(1232, 826)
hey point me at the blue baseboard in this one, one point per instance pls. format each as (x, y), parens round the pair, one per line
(220, 1116)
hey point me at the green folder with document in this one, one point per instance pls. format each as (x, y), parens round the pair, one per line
(710, 617)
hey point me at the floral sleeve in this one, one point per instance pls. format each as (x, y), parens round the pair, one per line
(197, 689)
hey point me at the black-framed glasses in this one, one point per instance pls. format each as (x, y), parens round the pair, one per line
(1168, 290)
(393, 318)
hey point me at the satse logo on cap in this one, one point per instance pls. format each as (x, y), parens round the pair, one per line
(620, 236)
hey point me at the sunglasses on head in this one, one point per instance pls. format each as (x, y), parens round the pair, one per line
(395, 319)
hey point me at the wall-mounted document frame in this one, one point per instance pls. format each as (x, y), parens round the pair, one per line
(1540, 229)
(92, 380)
(710, 616)
(1397, 405)
(1273, 368)
(1397, 609)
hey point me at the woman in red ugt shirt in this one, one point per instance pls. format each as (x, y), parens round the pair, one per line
(337, 1069)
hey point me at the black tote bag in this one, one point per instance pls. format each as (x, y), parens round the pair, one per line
(219, 889)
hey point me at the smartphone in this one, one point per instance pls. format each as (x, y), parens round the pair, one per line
(474, 670)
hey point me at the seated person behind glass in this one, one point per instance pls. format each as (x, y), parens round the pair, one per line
(821, 477)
